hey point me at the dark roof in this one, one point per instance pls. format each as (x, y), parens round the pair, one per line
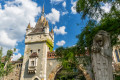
(51, 55)
(18, 61)
(38, 27)
(34, 54)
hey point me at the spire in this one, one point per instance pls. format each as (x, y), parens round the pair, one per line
(47, 24)
(52, 30)
(29, 26)
(43, 11)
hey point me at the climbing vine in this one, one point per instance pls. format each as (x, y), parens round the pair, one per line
(50, 44)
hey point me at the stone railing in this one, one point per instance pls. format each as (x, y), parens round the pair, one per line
(32, 69)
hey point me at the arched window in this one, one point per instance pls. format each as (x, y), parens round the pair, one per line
(21, 65)
(38, 50)
(117, 55)
(31, 51)
(32, 63)
(17, 66)
(36, 79)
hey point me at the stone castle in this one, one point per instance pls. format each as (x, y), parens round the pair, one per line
(38, 56)
(39, 62)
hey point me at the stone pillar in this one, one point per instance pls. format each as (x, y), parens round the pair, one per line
(102, 56)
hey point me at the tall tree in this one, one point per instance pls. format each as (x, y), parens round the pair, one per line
(5, 63)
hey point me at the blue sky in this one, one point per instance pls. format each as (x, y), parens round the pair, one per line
(16, 14)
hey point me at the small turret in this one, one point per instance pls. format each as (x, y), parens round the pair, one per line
(52, 33)
(47, 25)
(29, 29)
(52, 30)
(29, 26)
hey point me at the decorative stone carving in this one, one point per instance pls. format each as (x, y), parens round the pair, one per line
(51, 63)
(28, 50)
(102, 56)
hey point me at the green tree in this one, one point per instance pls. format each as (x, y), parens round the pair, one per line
(93, 8)
(109, 22)
(6, 66)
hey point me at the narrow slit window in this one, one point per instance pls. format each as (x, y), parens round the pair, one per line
(38, 50)
(32, 63)
(31, 51)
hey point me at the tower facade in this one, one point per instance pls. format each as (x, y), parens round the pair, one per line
(38, 41)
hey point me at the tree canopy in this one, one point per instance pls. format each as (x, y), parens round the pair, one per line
(109, 22)
(5, 63)
(94, 8)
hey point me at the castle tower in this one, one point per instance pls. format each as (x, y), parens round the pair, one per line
(38, 42)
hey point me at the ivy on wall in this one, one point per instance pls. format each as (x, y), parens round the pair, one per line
(50, 44)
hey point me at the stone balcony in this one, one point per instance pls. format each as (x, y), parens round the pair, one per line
(32, 69)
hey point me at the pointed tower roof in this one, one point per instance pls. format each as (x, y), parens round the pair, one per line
(29, 26)
(47, 24)
(52, 30)
(43, 11)
(41, 24)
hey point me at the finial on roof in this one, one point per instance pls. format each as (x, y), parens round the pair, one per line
(47, 24)
(29, 26)
(52, 30)
(43, 11)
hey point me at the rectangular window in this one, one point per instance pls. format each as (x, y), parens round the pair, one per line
(38, 50)
(31, 51)
(32, 63)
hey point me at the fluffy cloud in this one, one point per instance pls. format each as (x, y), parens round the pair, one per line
(14, 18)
(16, 56)
(61, 30)
(64, 4)
(6, 41)
(54, 16)
(64, 13)
(73, 8)
(106, 7)
(60, 43)
(0, 5)
(56, 1)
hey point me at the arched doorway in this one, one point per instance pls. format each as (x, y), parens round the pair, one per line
(73, 74)
(58, 68)
(36, 79)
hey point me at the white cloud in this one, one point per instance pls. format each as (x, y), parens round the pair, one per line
(106, 7)
(64, 13)
(64, 4)
(16, 56)
(60, 43)
(0, 6)
(54, 16)
(14, 19)
(61, 30)
(6, 41)
(73, 8)
(56, 1)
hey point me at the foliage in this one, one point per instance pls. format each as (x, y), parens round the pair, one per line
(67, 56)
(93, 8)
(21, 58)
(109, 23)
(117, 77)
(6, 66)
(50, 44)
(65, 74)
(70, 57)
